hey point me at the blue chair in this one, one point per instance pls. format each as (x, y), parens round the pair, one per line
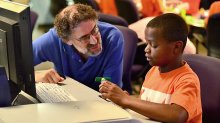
(130, 45)
(34, 17)
(127, 10)
(115, 20)
(207, 69)
(56, 6)
(213, 35)
(92, 3)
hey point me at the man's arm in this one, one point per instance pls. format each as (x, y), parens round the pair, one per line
(49, 76)
(45, 49)
(114, 63)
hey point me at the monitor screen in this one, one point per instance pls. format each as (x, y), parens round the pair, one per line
(16, 53)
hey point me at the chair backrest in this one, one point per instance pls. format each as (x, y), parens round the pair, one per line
(115, 20)
(92, 3)
(127, 10)
(213, 35)
(207, 69)
(130, 45)
(34, 17)
(56, 6)
(206, 4)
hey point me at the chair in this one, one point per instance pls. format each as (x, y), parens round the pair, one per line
(34, 17)
(92, 3)
(56, 6)
(207, 69)
(141, 66)
(206, 4)
(130, 44)
(115, 20)
(213, 35)
(127, 10)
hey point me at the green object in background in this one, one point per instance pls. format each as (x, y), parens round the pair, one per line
(183, 13)
(100, 79)
(193, 21)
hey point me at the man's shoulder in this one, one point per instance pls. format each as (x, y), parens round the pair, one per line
(108, 30)
(48, 38)
(103, 26)
(53, 31)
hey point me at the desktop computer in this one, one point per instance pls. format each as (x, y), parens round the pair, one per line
(16, 47)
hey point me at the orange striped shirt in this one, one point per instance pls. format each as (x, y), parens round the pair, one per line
(180, 86)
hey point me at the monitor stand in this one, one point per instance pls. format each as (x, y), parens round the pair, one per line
(23, 99)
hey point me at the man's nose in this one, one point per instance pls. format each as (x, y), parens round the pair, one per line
(92, 39)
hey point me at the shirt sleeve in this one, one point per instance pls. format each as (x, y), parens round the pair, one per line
(44, 47)
(186, 94)
(115, 57)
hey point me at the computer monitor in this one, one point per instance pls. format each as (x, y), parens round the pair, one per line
(16, 53)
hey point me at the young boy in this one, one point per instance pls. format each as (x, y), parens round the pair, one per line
(171, 90)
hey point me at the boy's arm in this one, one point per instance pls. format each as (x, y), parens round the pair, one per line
(161, 112)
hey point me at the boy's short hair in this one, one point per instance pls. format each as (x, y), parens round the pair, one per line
(172, 26)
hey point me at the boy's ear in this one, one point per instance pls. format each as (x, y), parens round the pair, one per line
(178, 47)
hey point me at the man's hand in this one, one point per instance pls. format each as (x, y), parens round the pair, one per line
(48, 76)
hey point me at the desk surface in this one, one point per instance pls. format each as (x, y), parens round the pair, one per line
(84, 93)
(81, 93)
(68, 112)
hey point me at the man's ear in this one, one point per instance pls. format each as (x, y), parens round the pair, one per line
(178, 47)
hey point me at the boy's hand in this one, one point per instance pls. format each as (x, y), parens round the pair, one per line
(113, 92)
(48, 76)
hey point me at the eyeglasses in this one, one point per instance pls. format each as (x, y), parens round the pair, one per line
(86, 38)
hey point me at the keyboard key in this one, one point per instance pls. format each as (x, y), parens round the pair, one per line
(51, 93)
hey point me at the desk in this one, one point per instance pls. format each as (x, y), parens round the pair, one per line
(84, 93)
(81, 93)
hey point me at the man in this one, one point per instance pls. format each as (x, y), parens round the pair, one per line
(80, 47)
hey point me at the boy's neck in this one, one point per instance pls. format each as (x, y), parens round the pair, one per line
(179, 63)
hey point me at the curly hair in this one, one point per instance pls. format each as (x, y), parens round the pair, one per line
(70, 17)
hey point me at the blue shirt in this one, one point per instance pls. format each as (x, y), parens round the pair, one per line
(49, 47)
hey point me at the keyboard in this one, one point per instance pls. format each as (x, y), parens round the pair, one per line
(52, 93)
